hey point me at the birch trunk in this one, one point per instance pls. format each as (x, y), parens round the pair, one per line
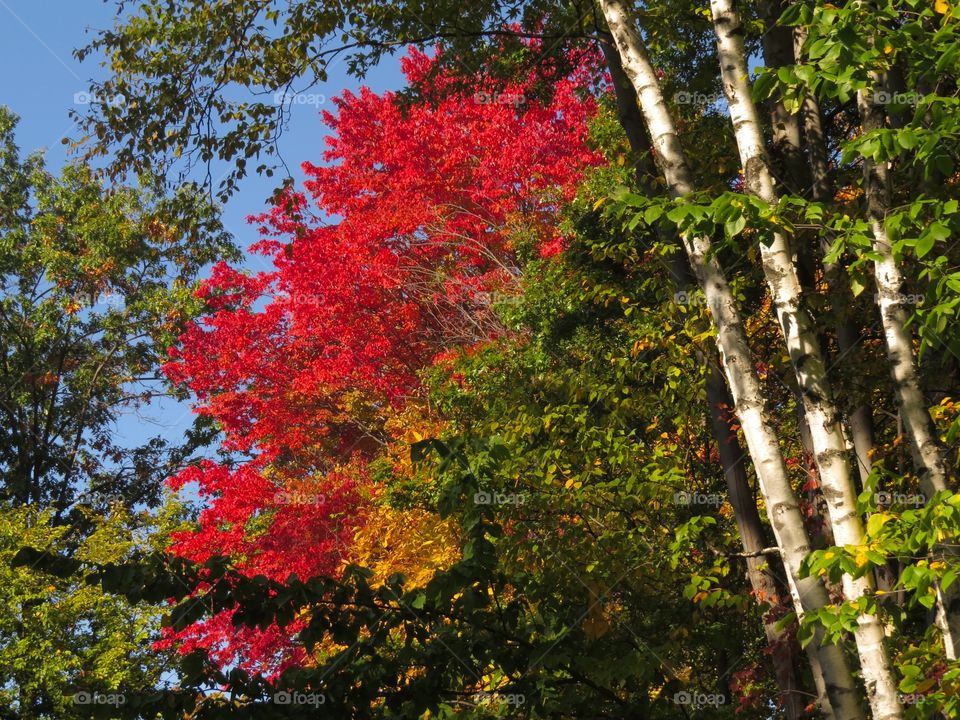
(746, 516)
(838, 287)
(805, 171)
(823, 693)
(629, 116)
(763, 584)
(927, 453)
(786, 149)
(745, 513)
(762, 442)
(928, 456)
(826, 429)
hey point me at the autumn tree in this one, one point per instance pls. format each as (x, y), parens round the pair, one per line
(95, 283)
(782, 252)
(433, 222)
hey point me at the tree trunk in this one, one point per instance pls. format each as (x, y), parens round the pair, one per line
(778, 51)
(630, 117)
(929, 458)
(838, 287)
(823, 693)
(820, 189)
(824, 420)
(763, 584)
(786, 150)
(779, 499)
(752, 538)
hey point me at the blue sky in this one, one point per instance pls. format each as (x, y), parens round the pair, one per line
(41, 80)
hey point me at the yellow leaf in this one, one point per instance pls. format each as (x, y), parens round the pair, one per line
(877, 521)
(941, 6)
(639, 346)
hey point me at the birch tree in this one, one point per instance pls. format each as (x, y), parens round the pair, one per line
(928, 455)
(824, 419)
(761, 440)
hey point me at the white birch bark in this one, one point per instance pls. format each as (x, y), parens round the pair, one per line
(823, 697)
(779, 498)
(928, 455)
(824, 419)
(861, 417)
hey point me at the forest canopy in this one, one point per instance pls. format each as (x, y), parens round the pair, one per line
(609, 368)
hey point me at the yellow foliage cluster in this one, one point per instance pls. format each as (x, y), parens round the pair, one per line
(412, 424)
(762, 319)
(945, 414)
(848, 194)
(413, 542)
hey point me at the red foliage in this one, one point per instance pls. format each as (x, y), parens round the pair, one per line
(301, 365)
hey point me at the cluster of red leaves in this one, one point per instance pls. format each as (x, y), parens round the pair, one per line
(300, 366)
(269, 528)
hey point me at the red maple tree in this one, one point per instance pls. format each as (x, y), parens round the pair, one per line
(301, 365)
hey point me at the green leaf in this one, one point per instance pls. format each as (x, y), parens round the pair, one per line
(734, 227)
(856, 286)
(907, 139)
(877, 521)
(764, 85)
(652, 214)
(939, 231)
